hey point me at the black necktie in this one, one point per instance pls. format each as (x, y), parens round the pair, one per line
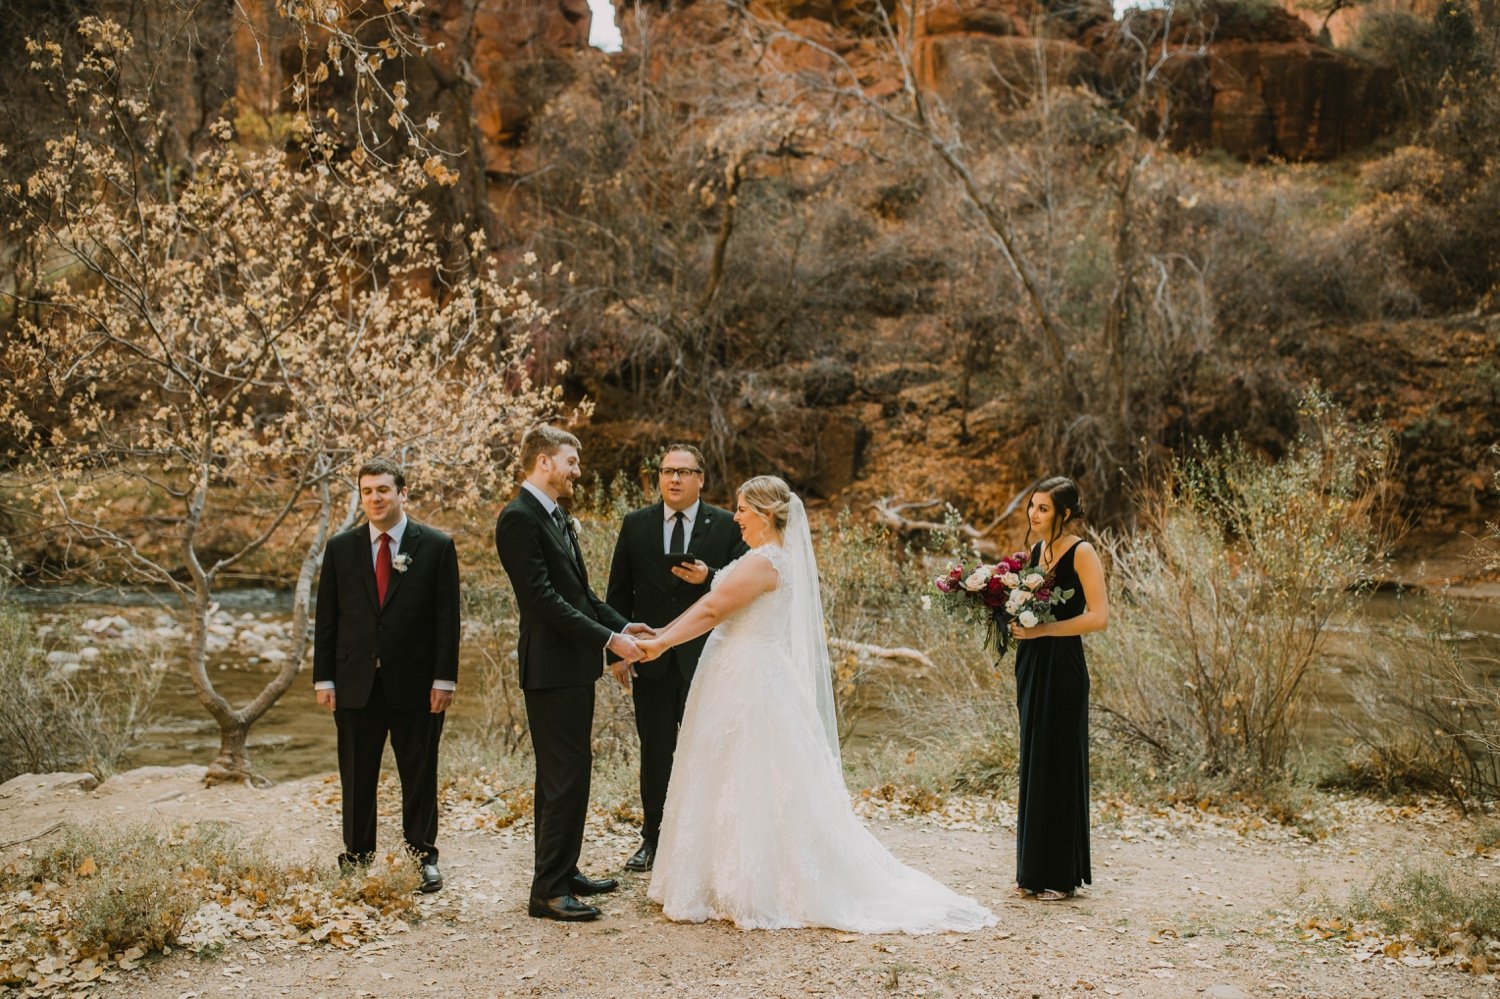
(562, 525)
(677, 545)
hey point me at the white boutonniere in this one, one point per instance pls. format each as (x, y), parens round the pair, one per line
(576, 524)
(400, 562)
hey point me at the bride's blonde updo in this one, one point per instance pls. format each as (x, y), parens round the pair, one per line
(770, 497)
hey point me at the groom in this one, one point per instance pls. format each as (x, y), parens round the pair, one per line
(385, 661)
(565, 631)
(646, 583)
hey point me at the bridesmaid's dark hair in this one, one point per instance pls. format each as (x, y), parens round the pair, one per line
(1066, 506)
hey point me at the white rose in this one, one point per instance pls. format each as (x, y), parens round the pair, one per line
(977, 579)
(1033, 581)
(1027, 619)
(1011, 580)
(1015, 601)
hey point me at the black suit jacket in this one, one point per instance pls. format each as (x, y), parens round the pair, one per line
(414, 636)
(643, 589)
(564, 627)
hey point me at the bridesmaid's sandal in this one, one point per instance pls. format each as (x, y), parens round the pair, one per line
(1052, 895)
(1020, 892)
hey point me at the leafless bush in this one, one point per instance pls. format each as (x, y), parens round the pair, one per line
(1428, 717)
(51, 719)
(1224, 599)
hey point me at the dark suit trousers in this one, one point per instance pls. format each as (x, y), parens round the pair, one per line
(414, 733)
(562, 724)
(659, 703)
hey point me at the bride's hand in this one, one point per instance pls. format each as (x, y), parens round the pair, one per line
(652, 648)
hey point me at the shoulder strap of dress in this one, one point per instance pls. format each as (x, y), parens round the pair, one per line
(773, 554)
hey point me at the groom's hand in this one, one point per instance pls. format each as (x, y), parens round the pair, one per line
(326, 698)
(624, 672)
(639, 630)
(624, 646)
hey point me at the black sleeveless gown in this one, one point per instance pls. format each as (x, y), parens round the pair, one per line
(1052, 692)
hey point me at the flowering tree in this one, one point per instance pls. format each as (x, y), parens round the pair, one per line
(214, 346)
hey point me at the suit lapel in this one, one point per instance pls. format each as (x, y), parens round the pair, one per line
(700, 527)
(560, 537)
(410, 538)
(575, 550)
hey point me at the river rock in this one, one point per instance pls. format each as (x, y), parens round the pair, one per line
(144, 776)
(26, 787)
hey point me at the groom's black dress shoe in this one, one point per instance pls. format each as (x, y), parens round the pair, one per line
(588, 886)
(565, 908)
(643, 858)
(432, 879)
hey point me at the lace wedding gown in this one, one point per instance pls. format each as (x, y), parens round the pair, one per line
(758, 828)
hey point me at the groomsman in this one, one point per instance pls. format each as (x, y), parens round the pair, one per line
(565, 631)
(664, 559)
(385, 661)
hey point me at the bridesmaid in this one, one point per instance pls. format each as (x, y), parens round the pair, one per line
(1052, 692)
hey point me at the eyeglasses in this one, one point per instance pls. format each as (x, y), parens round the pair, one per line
(680, 473)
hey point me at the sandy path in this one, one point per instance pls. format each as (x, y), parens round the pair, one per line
(1182, 905)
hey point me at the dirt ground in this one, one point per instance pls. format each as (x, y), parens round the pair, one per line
(1183, 903)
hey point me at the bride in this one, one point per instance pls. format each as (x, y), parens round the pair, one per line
(758, 828)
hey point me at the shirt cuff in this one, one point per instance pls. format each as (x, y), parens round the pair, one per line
(323, 685)
(444, 685)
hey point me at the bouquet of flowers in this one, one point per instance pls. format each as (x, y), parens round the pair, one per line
(1010, 590)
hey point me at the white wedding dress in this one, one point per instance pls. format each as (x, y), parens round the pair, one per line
(758, 828)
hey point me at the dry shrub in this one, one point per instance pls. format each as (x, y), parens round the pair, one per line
(1429, 718)
(945, 728)
(1221, 605)
(1438, 908)
(387, 885)
(137, 886)
(50, 720)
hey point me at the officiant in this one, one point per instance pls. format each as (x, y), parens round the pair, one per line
(664, 560)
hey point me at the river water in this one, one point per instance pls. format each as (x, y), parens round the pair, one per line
(296, 737)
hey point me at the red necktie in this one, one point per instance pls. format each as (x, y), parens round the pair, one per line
(383, 568)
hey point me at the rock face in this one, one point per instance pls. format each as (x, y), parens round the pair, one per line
(986, 52)
(1256, 85)
(510, 40)
(1264, 88)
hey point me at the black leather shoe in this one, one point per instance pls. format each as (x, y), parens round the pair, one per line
(432, 879)
(643, 858)
(588, 886)
(565, 908)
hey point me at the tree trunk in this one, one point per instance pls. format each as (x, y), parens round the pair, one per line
(232, 765)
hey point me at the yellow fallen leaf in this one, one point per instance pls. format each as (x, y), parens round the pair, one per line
(88, 868)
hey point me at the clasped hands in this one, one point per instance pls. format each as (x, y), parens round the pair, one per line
(637, 643)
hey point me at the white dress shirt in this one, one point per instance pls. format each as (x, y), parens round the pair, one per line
(689, 517)
(548, 503)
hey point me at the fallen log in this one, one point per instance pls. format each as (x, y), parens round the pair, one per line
(882, 652)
